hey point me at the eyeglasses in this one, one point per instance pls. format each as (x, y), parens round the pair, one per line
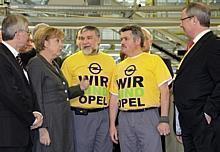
(27, 31)
(182, 19)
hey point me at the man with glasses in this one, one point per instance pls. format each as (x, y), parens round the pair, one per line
(197, 84)
(18, 107)
(28, 51)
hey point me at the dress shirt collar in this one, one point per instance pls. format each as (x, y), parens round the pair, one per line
(13, 51)
(196, 39)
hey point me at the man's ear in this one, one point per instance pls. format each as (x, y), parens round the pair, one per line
(195, 20)
(17, 35)
(138, 40)
(99, 40)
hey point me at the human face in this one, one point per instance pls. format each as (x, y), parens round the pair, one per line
(54, 47)
(89, 42)
(128, 44)
(187, 24)
(78, 40)
(29, 46)
(147, 44)
(22, 36)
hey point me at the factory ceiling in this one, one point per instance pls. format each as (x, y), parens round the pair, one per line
(161, 18)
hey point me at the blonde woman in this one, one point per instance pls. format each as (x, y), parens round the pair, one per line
(53, 93)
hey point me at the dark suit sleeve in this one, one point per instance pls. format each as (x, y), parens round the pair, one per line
(36, 107)
(12, 96)
(75, 91)
(212, 106)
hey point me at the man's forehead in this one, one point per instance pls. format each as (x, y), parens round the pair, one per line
(87, 32)
(126, 34)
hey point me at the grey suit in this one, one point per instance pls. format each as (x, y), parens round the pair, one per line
(53, 97)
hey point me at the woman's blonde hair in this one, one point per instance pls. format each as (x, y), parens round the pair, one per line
(45, 34)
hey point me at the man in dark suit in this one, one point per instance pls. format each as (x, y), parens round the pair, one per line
(19, 111)
(197, 84)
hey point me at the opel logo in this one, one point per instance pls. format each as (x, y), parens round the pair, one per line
(95, 68)
(130, 70)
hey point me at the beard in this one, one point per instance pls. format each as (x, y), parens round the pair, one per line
(89, 51)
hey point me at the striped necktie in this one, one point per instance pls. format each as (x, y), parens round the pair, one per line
(19, 60)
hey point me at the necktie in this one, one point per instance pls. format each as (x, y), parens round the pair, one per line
(189, 45)
(19, 60)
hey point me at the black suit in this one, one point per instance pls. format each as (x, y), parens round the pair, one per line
(17, 102)
(197, 91)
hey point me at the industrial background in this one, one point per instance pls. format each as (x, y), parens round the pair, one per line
(161, 17)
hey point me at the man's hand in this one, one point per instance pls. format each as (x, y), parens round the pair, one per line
(44, 137)
(113, 134)
(163, 128)
(84, 84)
(179, 139)
(38, 120)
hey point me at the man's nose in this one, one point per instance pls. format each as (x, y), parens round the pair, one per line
(181, 24)
(62, 46)
(84, 41)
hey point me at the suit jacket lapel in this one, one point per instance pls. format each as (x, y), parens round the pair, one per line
(193, 51)
(14, 63)
(59, 71)
(55, 70)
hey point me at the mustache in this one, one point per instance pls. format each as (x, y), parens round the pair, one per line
(123, 45)
(84, 47)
